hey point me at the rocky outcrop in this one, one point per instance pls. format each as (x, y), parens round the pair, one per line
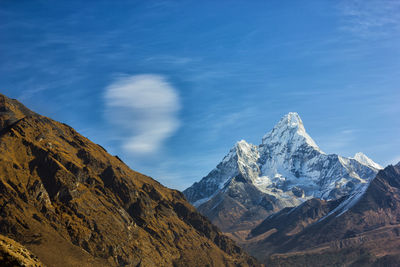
(14, 254)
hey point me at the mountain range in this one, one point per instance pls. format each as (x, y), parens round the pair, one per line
(327, 233)
(65, 201)
(285, 170)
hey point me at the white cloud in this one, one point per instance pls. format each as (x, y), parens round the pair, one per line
(145, 108)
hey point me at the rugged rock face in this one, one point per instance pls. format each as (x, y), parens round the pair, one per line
(14, 254)
(285, 170)
(335, 233)
(71, 203)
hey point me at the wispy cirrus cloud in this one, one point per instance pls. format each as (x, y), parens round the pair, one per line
(145, 109)
(373, 18)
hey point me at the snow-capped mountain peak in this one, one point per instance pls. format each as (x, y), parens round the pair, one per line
(293, 120)
(363, 159)
(242, 144)
(241, 149)
(286, 169)
(244, 149)
(289, 130)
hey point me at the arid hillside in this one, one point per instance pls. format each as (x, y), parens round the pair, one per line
(72, 204)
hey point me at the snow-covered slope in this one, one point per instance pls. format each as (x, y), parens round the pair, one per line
(287, 167)
(363, 159)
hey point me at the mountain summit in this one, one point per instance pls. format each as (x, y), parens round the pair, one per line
(285, 170)
(289, 130)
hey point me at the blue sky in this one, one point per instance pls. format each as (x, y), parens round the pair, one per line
(170, 86)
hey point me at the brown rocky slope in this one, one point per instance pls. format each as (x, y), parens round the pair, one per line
(320, 233)
(14, 254)
(72, 204)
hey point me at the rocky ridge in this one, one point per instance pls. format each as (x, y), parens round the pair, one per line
(61, 194)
